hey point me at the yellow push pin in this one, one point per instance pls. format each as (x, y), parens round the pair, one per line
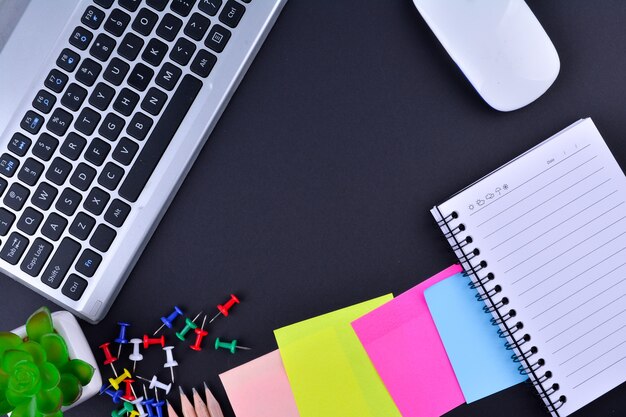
(115, 382)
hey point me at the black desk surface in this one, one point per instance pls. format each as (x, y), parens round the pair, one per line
(313, 193)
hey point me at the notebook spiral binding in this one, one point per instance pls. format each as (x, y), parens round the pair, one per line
(497, 305)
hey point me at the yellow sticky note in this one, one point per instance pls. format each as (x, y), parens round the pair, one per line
(328, 369)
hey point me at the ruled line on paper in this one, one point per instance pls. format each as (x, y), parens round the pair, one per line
(593, 344)
(596, 358)
(600, 372)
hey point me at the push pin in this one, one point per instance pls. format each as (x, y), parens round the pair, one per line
(128, 407)
(115, 395)
(155, 383)
(189, 325)
(169, 320)
(147, 341)
(121, 339)
(158, 405)
(130, 391)
(224, 309)
(170, 362)
(116, 382)
(232, 346)
(148, 403)
(134, 413)
(135, 356)
(138, 403)
(200, 334)
(109, 358)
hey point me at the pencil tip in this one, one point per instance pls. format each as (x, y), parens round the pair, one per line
(194, 391)
(206, 387)
(180, 389)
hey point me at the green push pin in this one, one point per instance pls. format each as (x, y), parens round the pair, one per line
(189, 326)
(128, 407)
(232, 346)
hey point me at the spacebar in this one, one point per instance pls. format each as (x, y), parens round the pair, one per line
(160, 138)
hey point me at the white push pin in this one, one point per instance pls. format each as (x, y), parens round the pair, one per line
(139, 406)
(170, 362)
(155, 383)
(135, 356)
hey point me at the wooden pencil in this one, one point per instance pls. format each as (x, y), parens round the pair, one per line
(212, 404)
(170, 410)
(199, 405)
(188, 410)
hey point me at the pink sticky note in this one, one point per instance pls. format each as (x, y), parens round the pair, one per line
(260, 388)
(402, 342)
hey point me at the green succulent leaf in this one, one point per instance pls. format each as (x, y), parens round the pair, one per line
(4, 380)
(50, 375)
(9, 341)
(39, 324)
(12, 357)
(5, 406)
(49, 401)
(26, 409)
(35, 349)
(71, 389)
(80, 369)
(56, 349)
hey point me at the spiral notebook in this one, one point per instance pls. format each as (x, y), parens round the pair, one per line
(543, 239)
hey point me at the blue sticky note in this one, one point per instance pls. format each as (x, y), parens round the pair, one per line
(480, 361)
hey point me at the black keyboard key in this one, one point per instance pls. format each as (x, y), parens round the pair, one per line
(32, 122)
(73, 146)
(154, 53)
(8, 165)
(68, 202)
(30, 172)
(130, 46)
(88, 72)
(93, 17)
(145, 21)
(97, 151)
(102, 238)
(73, 97)
(168, 76)
(81, 38)
(96, 201)
(182, 7)
(83, 176)
(74, 287)
(197, 26)
(29, 221)
(154, 101)
(82, 226)
(117, 22)
(16, 197)
(111, 127)
(103, 47)
(68, 60)
(117, 213)
(6, 221)
(210, 7)
(87, 121)
(203, 63)
(14, 248)
(45, 147)
(116, 71)
(130, 5)
(160, 138)
(60, 263)
(139, 126)
(3, 185)
(59, 122)
(157, 4)
(19, 144)
(101, 96)
(56, 80)
(125, 151)
(232, 13)
(126, 101)
(58, 171)
(111, 176)
(169, 27)
(44, 101)
(218, 38)
(36, 257)
(54, 226)
(88, 262)
(104, 3)
(140, 77)
(44, 195)
(182, 51)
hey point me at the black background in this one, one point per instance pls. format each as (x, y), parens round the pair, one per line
(314, 190)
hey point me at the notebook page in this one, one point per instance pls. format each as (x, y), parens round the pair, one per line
(552, 227)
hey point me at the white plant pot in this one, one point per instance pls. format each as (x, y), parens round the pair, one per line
(67, 326)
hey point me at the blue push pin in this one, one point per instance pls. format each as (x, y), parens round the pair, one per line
(158, 405)
(169, 320)
(121, 339)
(115, 395)
(148, 403)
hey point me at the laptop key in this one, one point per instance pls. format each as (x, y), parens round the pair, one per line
(44, 195)
(203, 63)
(32, 122)
(83, 176)
(116, 71)
(101, 96)
(8, 165)
(139, 126)
(16, 197)
(232, 13)
(82, 226)
(182, 7)
(45, 146)
(54, 226)
(197, 26)
(126, 101)
(93, 17)
(59, 122)
(169, 27)
(68, 60)
(29, 221)
(81, 38)
(104, 3)
(102, 238)
(103, 47)
(73, 146)
(30, 172)
(58, 171)
(88, 262)
(154, 101)
(96, 201)
(168, 76)
(130, 46)
(111, 127)
(145, 21)
(116, 22)
(74, 287)
(87, 121)
(36, 257)
(218, 38)
(117, 213)
(111, 176)
(44, 101)
(14, 248)
(6, 221)
(154, 53)
(88, 72)
(60, 263)
(125, 151)
(182, 51)
(19, 144)
(97, 151)
(157, 4)
(210, 7)
(130, 5)
(68, 202)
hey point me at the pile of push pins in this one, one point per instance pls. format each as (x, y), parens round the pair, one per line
(121, 388)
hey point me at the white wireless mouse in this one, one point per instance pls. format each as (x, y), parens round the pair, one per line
(499, 45)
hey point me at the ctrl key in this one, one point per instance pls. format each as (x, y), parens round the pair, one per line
(14, 248)
(74, 287)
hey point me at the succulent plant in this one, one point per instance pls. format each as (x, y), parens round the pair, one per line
(37, 376)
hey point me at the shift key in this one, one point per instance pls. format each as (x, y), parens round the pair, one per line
(60, 263)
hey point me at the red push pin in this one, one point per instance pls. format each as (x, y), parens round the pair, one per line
(109, 358)
(224, 309)
(200, 334)
(147, 341)
(130, 391)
